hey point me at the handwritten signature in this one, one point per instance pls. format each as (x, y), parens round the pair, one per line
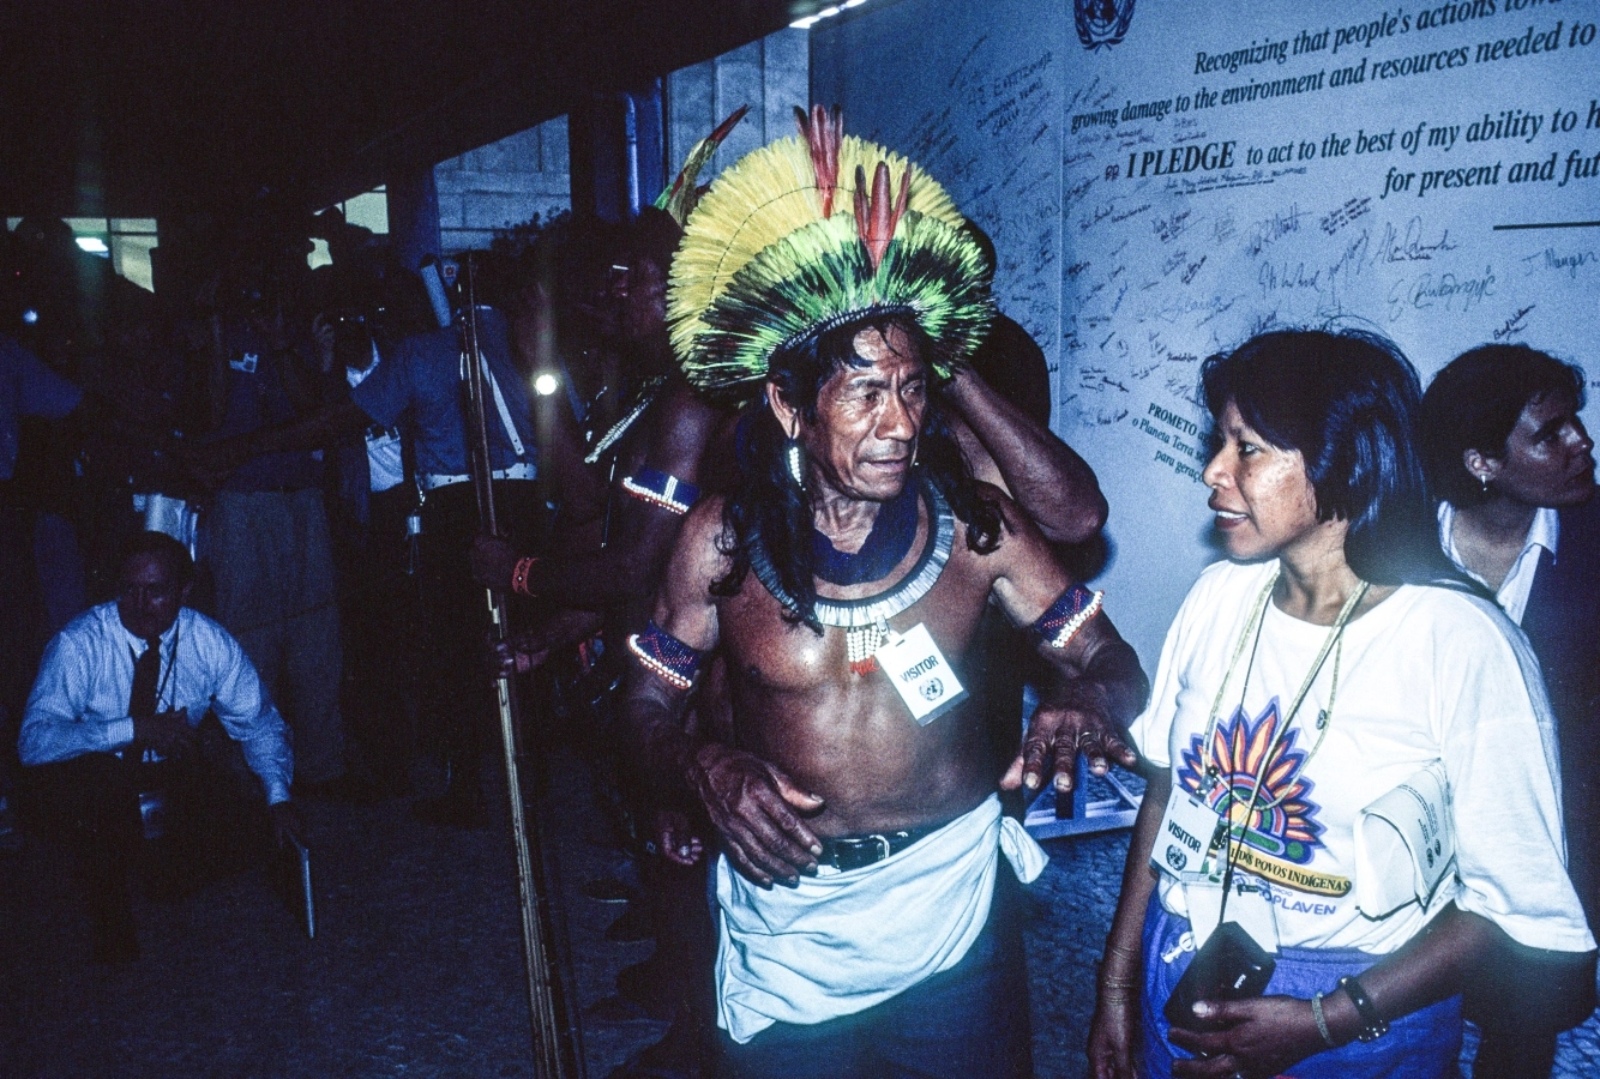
(1338, 218)
(1411, 247)
(1170, 228)
(1515, 324)
(1446, 290)
(1272, 229)
(1550, 259)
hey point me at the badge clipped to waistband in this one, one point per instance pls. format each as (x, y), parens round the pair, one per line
(920, 674)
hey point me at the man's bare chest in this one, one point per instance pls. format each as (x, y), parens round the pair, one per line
(774, 653)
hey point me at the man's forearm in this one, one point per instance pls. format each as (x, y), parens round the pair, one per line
(628, 569)
(1427, 968)
(661, 749)
(1055, 486)
(269, 757)
(315, 431)
(49, 739)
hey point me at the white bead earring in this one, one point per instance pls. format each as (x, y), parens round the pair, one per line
(797, 461)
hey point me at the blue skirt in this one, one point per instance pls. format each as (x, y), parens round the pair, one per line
(1422, 1045)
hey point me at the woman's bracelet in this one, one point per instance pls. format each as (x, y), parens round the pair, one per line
(1374, 1026)
(519, 576)
(1322, 1022)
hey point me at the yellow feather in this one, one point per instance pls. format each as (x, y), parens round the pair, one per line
(767, 195)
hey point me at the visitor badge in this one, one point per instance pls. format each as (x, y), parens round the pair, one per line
(1405, 843)
(1188, 830)
(920, 674)
(1249, 906)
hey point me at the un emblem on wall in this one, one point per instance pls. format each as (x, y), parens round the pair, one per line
(1101, 22)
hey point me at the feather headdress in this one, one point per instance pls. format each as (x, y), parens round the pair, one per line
(795, 239)
(680, 196)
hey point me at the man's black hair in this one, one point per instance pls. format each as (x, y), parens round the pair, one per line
(654, 236)
(172, 554)
(766, 497)
(1475, 402)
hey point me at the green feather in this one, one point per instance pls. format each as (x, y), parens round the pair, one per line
(821, 274)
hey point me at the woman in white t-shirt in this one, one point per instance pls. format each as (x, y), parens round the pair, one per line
(1309, 675)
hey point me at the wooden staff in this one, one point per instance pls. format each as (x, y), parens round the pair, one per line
(553, 1058)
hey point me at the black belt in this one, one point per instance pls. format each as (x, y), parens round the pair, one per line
(855, 851)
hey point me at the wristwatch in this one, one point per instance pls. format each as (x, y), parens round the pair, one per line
(1374, 1026)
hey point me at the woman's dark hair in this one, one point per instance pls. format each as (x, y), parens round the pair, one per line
(1473, 404)
(1348, 402)
(767, 500)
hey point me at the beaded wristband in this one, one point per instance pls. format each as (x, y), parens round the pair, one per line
(1067, 615)
(664, 656)
(519, 576)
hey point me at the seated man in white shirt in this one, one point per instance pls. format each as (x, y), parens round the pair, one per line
(116, 710)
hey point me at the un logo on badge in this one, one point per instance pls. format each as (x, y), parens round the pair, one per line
(1177, 859)
(1101, 22)
(931, 690)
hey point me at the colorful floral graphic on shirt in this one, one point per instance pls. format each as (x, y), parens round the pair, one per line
(1282, 833)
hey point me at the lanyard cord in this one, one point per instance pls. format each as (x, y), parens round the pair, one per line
(1255, 621)
(166, 676)
(1335, 637)
(1324, 720)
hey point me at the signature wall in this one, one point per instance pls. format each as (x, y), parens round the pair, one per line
(1164, 178)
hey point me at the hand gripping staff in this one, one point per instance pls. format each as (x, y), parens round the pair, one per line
(555, 1052)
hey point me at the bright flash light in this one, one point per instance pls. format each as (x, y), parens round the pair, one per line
(94, 245)
(545, 385)
(30, 317)
(808, 21)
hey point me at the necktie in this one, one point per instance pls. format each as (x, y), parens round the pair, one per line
(146, 676)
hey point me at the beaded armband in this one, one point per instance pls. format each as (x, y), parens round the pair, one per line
(659, 489)
(668, 658)
(519, 577)
(1067, 615)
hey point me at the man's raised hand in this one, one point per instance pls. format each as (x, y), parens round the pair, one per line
(757, 809)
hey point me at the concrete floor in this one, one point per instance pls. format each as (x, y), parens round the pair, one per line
(416, 970)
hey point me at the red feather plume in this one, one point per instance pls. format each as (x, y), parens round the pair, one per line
(875, 217)
(822, 133)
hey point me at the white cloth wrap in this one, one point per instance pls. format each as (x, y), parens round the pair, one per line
(839, 943)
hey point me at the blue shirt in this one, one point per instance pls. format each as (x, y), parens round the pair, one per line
(27, 388)
(422, 380)
(256, 399)
(79, 702)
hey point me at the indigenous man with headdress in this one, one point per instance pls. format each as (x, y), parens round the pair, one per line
(843, 580)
